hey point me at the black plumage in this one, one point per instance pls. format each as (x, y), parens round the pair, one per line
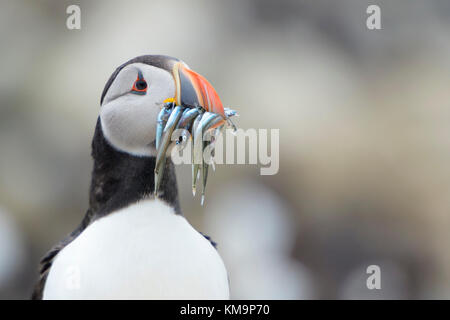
(118, 180)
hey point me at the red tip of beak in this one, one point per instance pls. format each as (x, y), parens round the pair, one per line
(192, 89)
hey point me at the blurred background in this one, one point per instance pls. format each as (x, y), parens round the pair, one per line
(364, 119)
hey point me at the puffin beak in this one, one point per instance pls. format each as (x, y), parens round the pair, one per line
(193, 90)
(196, 108)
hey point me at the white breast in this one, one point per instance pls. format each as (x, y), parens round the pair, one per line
(144, 251)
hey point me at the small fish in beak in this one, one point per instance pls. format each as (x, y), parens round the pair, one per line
(163, 116)
(198, 110)
(165, 141)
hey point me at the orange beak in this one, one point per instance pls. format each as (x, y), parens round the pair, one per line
(193, 90)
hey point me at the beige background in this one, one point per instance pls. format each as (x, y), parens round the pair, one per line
(364, 119)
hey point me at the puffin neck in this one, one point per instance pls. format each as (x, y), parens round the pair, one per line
(120, 179)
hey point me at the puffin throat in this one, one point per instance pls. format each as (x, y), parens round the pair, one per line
(120, 179)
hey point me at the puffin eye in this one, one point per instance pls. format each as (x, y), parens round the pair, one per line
(140, 85)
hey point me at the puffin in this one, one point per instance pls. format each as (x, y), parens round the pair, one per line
(133, 243)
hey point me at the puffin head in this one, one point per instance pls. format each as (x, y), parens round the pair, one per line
(138, 90)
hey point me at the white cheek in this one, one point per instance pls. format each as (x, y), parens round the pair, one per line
(129, 124)
(129, 120)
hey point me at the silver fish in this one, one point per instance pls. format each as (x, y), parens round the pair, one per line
(161, 123)
(205, 167)
(232, 125)
(230, 112)
(187, 118)
(217, 132)
(208, 120)
(186, 122)
(165, 141)
(194, 168)
(194, 121)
